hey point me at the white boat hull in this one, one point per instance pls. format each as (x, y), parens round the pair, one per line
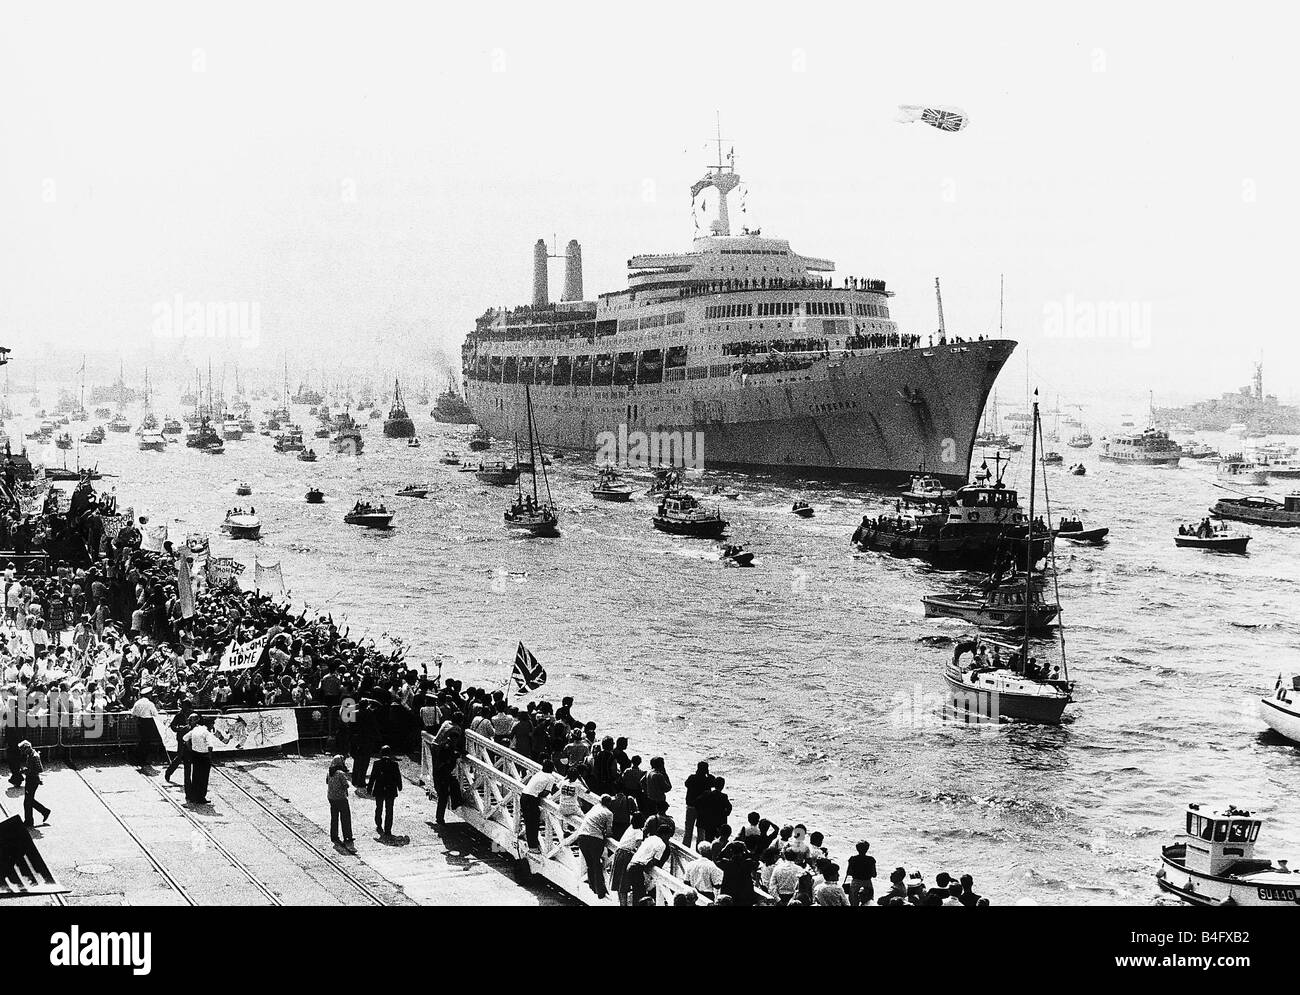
(1215, 891)
(1280, 718)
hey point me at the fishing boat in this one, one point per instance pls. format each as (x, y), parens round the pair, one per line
(682, 514)
(240, 524)
(1238, 471)
(450, 458)
(398, 424)
(497, 473)
(998, 681)
(154, 442)
(413, 491)
(94, 437)
(531, 513)
(1256, 510)
(737, 556)
(64, 441)
(243, 488)
(1072, 529)
(802, 508)
(1213, 863)
(610, 486)
(480, 440)
(307, 456)
(1281, 709)
(365, 514)
(1220, 539)
(1010, 603)
(315, 496)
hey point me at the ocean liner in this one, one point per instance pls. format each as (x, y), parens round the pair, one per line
(742, 345)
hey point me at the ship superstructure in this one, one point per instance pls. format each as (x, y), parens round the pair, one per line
(742, 344)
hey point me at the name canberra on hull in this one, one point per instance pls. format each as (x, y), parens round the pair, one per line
(743, 347)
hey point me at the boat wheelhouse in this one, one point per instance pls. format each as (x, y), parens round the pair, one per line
(1214, 863)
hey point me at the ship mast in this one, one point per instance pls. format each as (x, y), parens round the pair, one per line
(1029, 543)
(722, 176)
(938, 296)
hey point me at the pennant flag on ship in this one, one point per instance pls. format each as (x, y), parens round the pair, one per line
(528, 673)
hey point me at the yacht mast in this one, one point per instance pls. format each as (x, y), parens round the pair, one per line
(1029, 544)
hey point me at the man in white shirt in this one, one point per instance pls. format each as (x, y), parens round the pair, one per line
(652, 852)
(538, 787)
(144, 711)
(704, 875)
(200, 739)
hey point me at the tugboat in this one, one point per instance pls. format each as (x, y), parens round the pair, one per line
(451, 409)
(1214, 863)
(1072, 529)
(737, 556)
(610, 486)
(480, 440)
(242, 524)
(94, 437)
(365, 514)
(413, 491)
(681, 514)
(1260, 510)
(995, 687)
(1004, 604)
(1281, 710)
(529, 513)
(154, 442)
(398, 424)
(307, 456)
(497, 473)
(315, 496)
(1218, 539)
(243, 489)
(450, 458)
(803, 509)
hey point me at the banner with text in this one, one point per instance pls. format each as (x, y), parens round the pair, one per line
(243, 730)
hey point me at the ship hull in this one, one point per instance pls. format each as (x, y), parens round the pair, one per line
(873, 417)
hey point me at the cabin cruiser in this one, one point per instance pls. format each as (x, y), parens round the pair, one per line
(682, 514)
(1238, 470)
(172, 427)
(480, 440)
(118, 423)
(1007, 604)
(413, 491)
(1214, 863)
(1080, 440)
(450, 458)
(610, 486)
(366, 514)
(497, 473)
(241, 524)
(1053, 459)
(307, 455)
(1260, 510)
(1217, 538)
(927, 487)
(289, 441)
(1281, 709)
(153, 442)
(1197, 451)
(94, 437)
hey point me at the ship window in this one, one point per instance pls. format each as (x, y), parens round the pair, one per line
(1239, 832)
(582, 372)
(1220, 831)
(563, 372)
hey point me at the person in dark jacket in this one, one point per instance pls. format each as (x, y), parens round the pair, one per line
(13, 737)
(385, 782)
(712, 809)
(32, 770)
(180, 725)
(696, 785)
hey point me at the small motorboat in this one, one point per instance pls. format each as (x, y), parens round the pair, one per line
(413, 443)
(243, 489)
(998, 604)
(1053, 459)
(450, 458)
(682, 514)
(1078, 469)
(610, 487)
(152, 442)
(365, 514)
(480, 441)
(315, 496)
(1072, 529)
(307, 455)
(413, 491)
(64, 441)
(802, 508)
(737, 556)
(730, 493)
(1218, 539)
(94, 437)
(1281, 709)
(242, 524)
(1213, 863)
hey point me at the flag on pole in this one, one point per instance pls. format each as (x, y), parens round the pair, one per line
(528, 673)
(185, 587)
(268, 578)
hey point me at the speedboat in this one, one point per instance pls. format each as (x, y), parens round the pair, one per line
(413, 491)
(243, 489)
(450, 458)
(802, 508)
(737, 556)
(365, 514)
(1072, 529)
(682, 514)
(730, 493)
(1220, 539)
(307, 456)
(152, 442)
(242, 525)
(610, 486)
(315, 496)
(1281, 709)
(1213, 863)
(413, 444)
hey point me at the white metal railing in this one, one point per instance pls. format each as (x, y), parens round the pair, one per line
(492, 779)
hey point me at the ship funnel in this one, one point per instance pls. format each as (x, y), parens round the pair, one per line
(541, 290)
(572, 272)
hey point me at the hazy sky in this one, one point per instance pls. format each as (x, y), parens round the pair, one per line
(372, 176)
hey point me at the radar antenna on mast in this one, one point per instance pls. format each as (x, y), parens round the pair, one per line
(722, 176)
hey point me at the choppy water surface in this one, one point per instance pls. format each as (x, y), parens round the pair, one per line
(811, 680)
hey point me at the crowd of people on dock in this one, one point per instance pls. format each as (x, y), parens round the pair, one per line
(125, 629)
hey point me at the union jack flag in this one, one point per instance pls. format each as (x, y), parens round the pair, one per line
(943, 120)
(528, 673)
